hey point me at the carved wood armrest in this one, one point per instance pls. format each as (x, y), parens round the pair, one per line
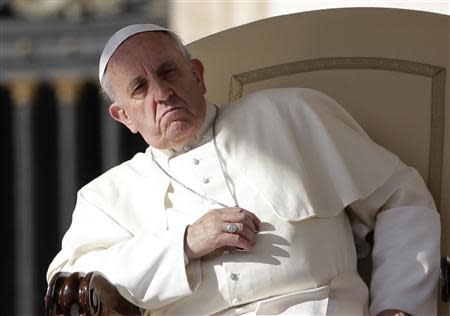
(90, 295)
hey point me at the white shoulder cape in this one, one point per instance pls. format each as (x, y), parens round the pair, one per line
(303, 151)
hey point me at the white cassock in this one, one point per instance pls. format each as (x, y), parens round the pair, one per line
(296, 159)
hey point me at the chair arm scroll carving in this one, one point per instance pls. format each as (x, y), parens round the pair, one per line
(90, 295)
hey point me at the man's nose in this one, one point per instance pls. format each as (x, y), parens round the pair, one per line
(161, 91)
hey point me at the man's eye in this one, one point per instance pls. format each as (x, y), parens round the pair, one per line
(168, 72)
(139, 88)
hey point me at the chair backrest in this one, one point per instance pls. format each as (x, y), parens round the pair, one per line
(387, 67)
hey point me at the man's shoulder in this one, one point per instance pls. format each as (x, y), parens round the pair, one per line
(281, 93)
(118, 178)
(277, 99)
(282, 103)
(286, 109)
(126, 192)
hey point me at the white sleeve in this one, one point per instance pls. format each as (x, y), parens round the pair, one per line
(149, 270)
(406, 252)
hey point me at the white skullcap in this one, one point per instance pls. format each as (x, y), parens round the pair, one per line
(118, 38)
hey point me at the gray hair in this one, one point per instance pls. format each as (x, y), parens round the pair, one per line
(106, 85)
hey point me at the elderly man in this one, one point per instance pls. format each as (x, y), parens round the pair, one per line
(240, 210)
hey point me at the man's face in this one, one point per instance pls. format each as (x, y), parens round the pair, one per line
(158, 91)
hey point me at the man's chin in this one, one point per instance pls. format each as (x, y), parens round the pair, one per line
(179, 133)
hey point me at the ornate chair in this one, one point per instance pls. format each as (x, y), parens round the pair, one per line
(388, 67)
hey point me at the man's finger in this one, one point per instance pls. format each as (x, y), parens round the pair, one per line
(234, 240)
(249, 235)
(255, 220)
(243, 231)
(239, 218)
(245, 217)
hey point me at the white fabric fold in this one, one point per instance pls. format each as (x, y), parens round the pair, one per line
(401, 271)
(320, 157)
(110, 233)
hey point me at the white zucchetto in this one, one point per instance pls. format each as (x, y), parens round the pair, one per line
(118, 38)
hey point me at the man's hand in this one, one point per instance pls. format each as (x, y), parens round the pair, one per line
(209, 233)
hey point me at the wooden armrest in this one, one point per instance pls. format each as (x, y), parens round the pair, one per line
(91, 295)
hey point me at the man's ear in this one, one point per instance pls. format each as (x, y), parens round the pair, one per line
(197, 68)
(118, 113)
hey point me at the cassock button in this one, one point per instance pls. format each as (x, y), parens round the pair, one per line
(195, 161)
(205, 180)
(234, 276)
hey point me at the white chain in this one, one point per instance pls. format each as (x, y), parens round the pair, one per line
(224, 172)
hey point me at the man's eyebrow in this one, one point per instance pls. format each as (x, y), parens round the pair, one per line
(134, 83)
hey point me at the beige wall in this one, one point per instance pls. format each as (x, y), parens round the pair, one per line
(194, 19)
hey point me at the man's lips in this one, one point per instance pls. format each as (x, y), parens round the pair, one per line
(169, 110)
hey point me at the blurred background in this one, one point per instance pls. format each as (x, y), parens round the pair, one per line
(56, 132)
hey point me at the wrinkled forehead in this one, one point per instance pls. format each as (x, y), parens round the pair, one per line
(119, 37)
(140, 54)
(143, 50)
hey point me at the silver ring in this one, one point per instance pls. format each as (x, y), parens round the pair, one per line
(231, 228)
